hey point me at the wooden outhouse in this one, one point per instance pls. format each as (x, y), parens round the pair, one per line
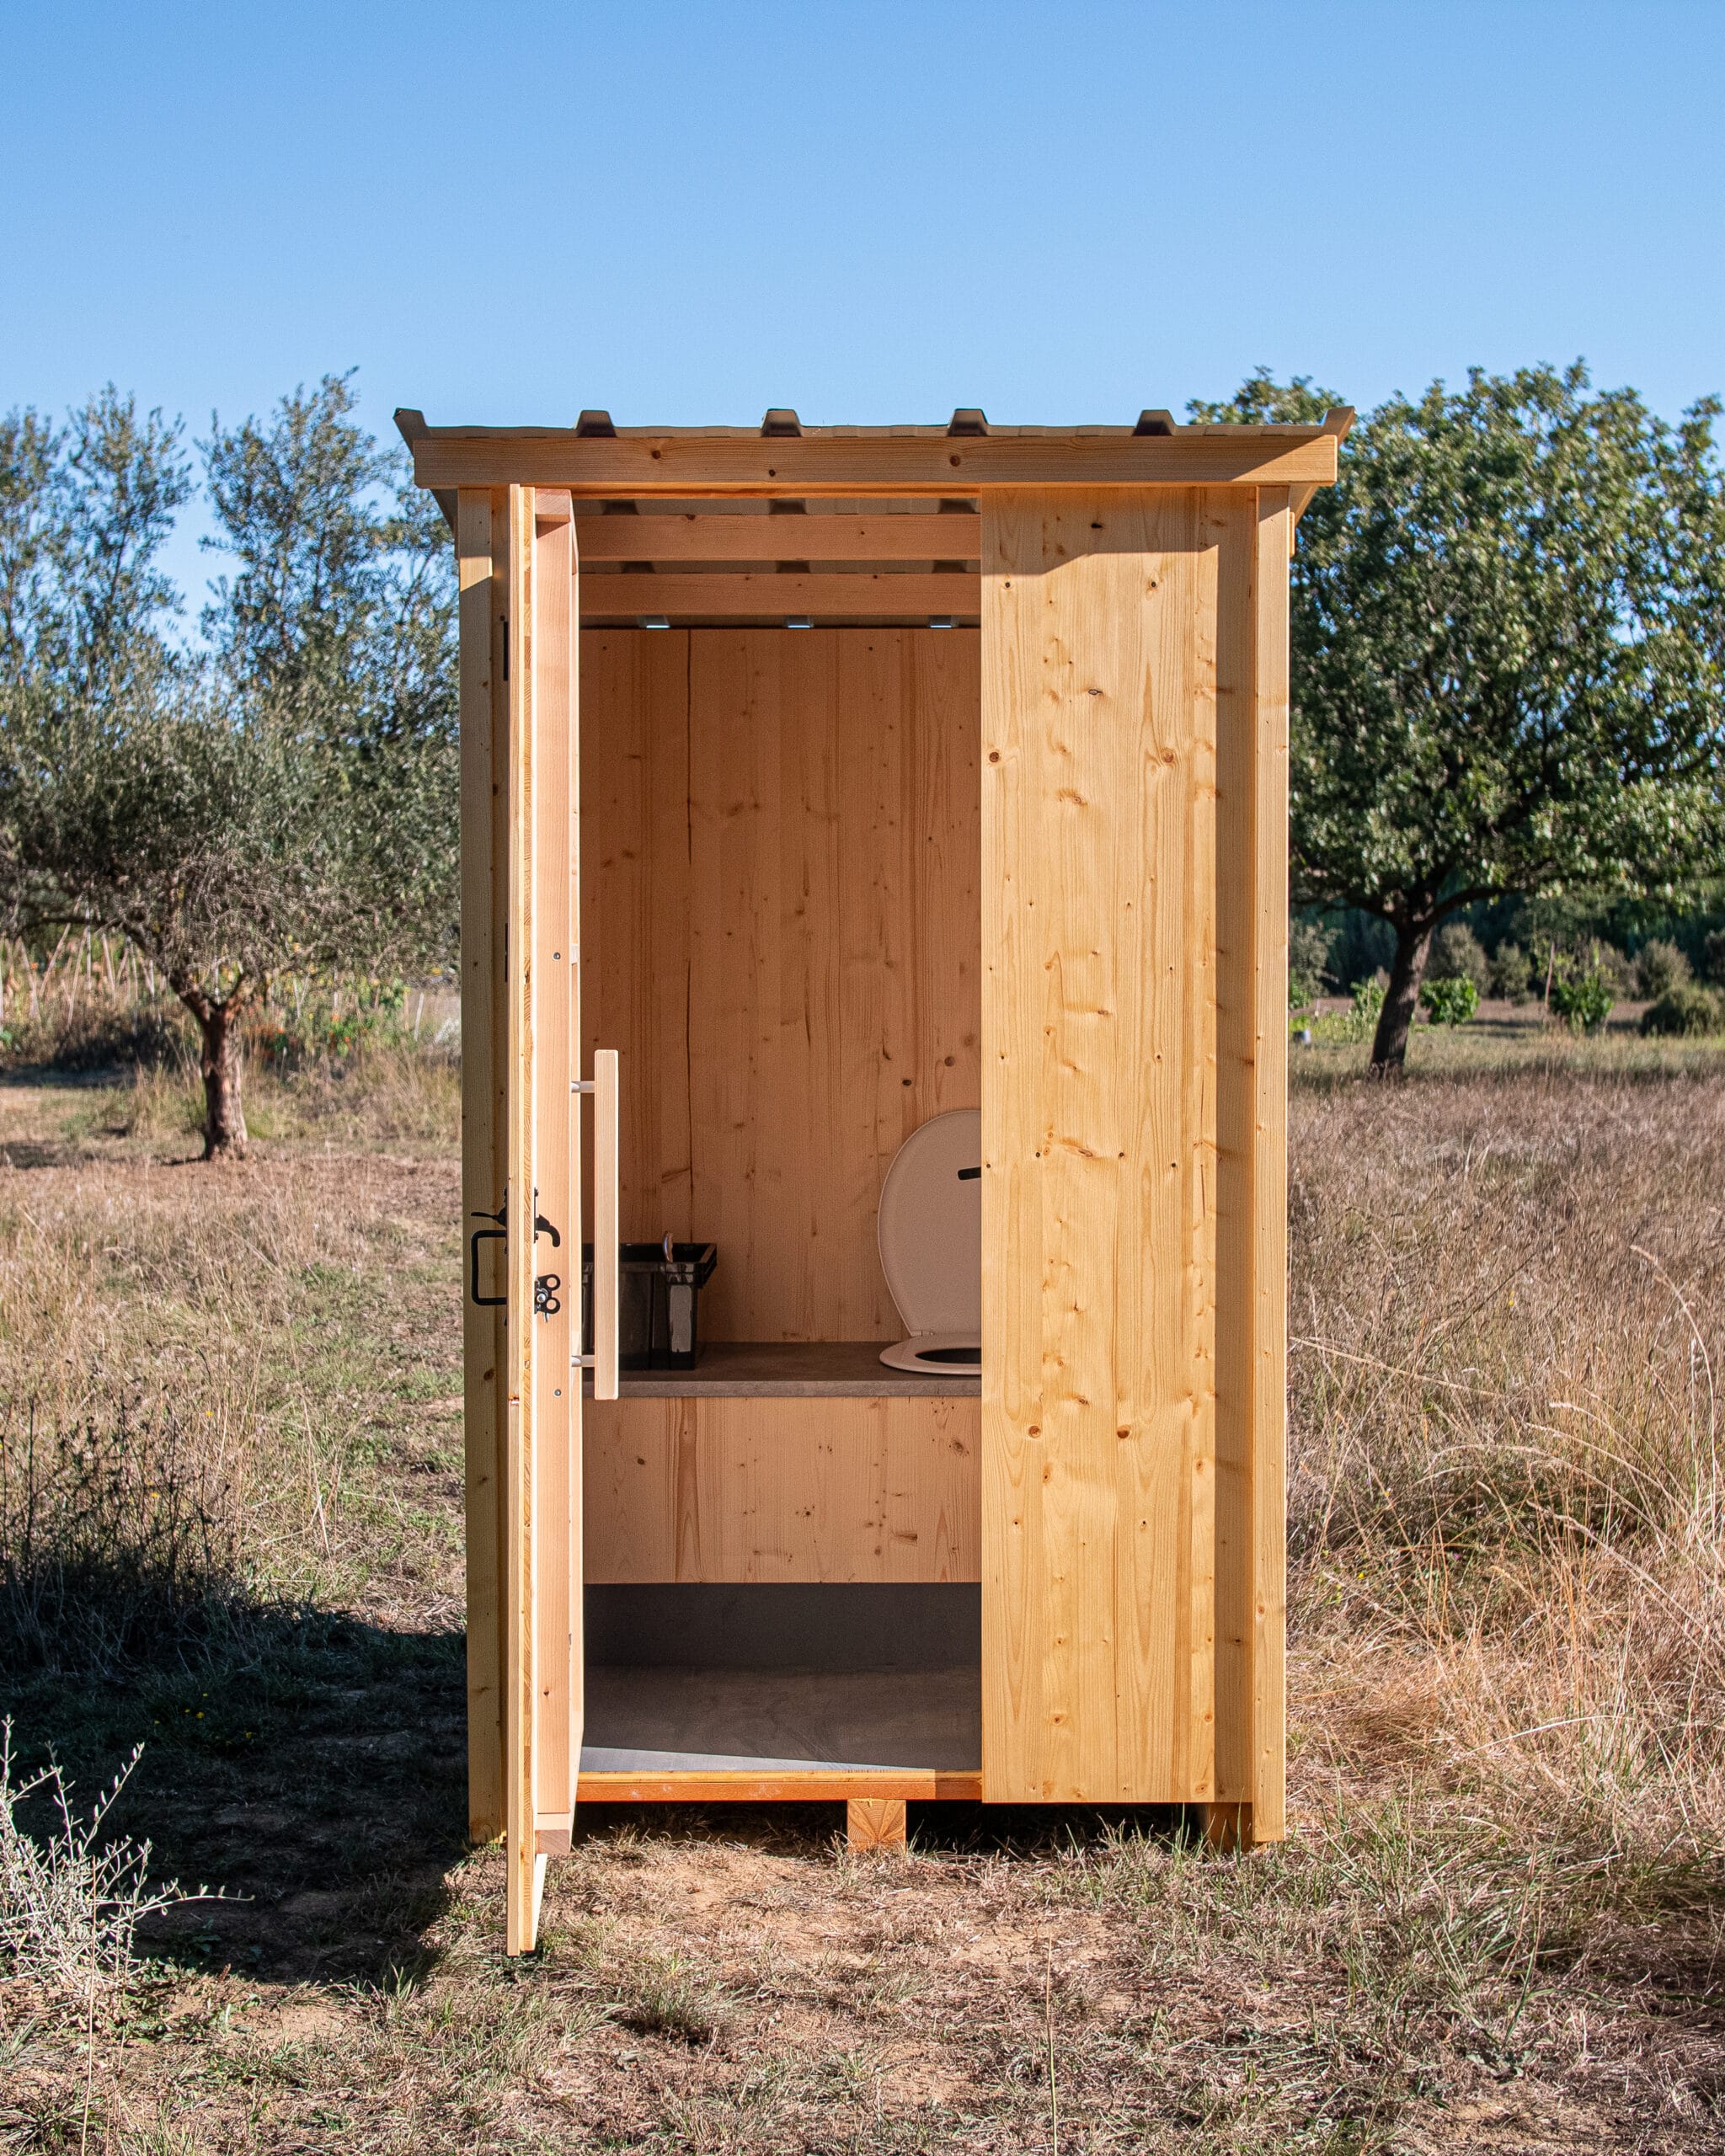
(818, 782)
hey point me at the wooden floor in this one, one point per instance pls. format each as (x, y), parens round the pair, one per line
(778, 1721)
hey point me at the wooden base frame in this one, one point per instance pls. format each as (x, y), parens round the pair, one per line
(817, 1785)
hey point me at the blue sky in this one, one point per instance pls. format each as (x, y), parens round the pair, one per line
(686, 213)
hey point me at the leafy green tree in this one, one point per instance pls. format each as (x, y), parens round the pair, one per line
(1508, 637)
(284, 799)
(83, 512)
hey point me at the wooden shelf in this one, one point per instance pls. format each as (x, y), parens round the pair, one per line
(795, 1369)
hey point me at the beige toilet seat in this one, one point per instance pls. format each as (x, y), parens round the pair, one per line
(930, 1233)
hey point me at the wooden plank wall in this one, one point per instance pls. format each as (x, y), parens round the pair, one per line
(777, 1490)
(782, 923)
(1131, 1105)
(520, 1540)
(482, 539)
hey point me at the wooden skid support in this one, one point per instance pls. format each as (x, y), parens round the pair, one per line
(1227, 1826)
(875, 1822)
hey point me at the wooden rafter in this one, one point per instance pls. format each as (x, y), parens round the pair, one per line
(953, 538)
(769, 596)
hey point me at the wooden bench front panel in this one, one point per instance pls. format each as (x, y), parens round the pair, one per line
(729, 1489)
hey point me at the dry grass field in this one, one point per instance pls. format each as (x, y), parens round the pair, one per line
(230, 1514)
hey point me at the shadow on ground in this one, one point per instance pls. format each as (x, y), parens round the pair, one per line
(958, 1829)
(312, 1768)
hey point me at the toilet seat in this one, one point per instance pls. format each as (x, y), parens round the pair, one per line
(930, 1232)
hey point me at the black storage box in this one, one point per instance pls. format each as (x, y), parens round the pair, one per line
(657, 1299)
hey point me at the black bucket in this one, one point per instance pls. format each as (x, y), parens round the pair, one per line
(658, 1302)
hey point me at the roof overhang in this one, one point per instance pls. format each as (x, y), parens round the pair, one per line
(854, 463)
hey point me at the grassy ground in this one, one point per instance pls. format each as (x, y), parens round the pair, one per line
(231, 1429)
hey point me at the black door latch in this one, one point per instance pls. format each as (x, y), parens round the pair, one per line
(545, 1302)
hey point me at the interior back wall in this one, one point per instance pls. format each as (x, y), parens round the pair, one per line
(781, 934)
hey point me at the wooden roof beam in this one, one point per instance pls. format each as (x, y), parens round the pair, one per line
(855, 466)
(410, 425)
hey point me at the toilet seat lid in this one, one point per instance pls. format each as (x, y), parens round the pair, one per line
(930, 1226)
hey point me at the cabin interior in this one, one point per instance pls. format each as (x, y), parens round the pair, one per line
(781, 935)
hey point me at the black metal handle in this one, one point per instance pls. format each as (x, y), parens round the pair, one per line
(484, 1235)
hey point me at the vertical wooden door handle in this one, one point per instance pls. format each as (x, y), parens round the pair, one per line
(605, 1246)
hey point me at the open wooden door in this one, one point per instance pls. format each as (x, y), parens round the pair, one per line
(542, 1539)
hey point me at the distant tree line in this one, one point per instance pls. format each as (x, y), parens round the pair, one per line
(1508, 659)
(279, 796)
(1508, 675)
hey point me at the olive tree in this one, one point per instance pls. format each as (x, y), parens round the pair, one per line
(1507, 655)
(283, 799)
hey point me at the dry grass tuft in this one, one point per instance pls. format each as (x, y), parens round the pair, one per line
(1508, 1317)
(121, 1535)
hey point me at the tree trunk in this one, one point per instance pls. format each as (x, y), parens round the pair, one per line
(219, 1061)
(1413, 944)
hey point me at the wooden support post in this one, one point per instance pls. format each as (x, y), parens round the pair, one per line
(1269, 1378)
(1227, 1826)
(872, 1822)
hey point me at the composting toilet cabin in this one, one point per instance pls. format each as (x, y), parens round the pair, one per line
(818, 782)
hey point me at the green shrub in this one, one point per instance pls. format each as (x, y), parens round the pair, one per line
(1685, 1009)
(1659, 967)
(1583, 1000)
(1511, 973)
(1451, 1000)
(1458, 954)
(1360, 1023)
(1614, 969)
(1309, 944)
